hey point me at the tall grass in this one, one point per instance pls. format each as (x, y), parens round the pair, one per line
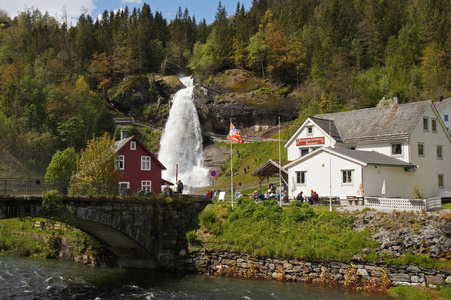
(297, 231)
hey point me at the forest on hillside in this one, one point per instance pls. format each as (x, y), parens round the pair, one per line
(57, 81)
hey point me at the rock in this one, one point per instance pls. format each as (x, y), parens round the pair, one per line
(448, 279)
(362, 272)
(434, 280)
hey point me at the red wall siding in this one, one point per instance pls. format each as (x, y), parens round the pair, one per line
(132, 169)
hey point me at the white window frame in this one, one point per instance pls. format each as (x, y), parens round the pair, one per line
(392, 152)
(126, 183)
(441, 152)
(120, 162)
(146, 163)
(299, 175)
(146, 185)
(445, 118)
(442, 186)
(349, 179)
(309, 128)
(133, 145)
(421, 154)
(427, 124)
(434, 124)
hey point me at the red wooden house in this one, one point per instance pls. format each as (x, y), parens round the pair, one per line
(140, 169)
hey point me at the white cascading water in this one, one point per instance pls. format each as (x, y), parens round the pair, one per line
(181, 142)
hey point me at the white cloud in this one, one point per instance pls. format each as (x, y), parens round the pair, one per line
(132, 1)
(55, 8)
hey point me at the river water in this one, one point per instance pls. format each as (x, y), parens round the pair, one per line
(26, 278)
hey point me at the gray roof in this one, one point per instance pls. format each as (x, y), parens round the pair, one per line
(440, 105)
(378, 123)
(373, 158)
(121, 143)
(324, 124)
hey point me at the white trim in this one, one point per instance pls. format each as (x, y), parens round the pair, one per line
(146, 184)
(120, 161)
(443, 179)
(144, 161)
(133, 145)
(127, 183)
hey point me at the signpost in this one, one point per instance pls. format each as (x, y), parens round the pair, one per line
(213, 175)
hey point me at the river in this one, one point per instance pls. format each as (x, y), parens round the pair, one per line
(27, 278)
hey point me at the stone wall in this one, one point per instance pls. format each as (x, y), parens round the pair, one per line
(358, 276)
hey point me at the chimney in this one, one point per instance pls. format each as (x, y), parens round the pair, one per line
(441, 98)
(123, 133)
(395, 99)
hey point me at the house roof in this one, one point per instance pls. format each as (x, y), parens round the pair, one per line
(441, 105)
(269, 168)
(361, 157)
(328, 125)
(118, 145)
(373, 158)
(378, 123)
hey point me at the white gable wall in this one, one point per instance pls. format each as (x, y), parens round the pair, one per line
(426, 175)
(294, 151)
(318, 173)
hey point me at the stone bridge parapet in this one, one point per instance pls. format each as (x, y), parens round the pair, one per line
(142, 233)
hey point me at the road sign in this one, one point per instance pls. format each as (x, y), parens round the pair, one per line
(213, 173)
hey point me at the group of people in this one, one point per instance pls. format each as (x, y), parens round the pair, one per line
(271, 193)
(313, 199)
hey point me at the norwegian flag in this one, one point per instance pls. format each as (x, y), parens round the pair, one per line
(234, 135)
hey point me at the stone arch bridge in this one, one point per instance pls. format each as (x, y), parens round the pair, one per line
(142, 233)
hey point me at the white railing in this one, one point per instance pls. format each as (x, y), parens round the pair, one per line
(429, 204)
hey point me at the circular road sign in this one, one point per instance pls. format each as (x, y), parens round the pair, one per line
(213, 173)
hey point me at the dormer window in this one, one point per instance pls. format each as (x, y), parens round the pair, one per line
(396, 149)
(132, 145)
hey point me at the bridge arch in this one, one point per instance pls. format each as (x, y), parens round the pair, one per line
(141, 233)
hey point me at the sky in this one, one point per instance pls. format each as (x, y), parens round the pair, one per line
(199, 8)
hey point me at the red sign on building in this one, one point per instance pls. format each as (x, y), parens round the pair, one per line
(310, 141)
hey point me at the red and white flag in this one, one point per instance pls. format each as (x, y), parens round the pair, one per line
(234, 135)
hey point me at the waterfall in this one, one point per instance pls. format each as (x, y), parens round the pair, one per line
(181, 142)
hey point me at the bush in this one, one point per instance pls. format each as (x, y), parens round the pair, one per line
(409, 292)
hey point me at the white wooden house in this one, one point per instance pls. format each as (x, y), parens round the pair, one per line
(356, 152)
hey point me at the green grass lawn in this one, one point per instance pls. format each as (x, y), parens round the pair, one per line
(446, 205)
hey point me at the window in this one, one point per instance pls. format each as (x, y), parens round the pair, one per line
(120, 162)
(124, 185)
(146, 185)
(300, 177)
(441, 180)
(445, 118)
(434, 125)
(309, 130)
(304, 152)
(350, 147)
(396, 149)
(420, 149)
(145, 162)
(132, 145)
(426, 124)
(439, 152)
(347, 177)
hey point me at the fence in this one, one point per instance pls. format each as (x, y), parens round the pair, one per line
(429, 204)
(36, 186)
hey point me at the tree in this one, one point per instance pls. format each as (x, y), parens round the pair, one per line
(258, 51)
(60, 170)
(100, 70)
(96, 171)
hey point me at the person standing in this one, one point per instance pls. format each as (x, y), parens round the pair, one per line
(180, 187)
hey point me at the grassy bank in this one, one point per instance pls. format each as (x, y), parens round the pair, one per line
(297, 231)
(26, 237)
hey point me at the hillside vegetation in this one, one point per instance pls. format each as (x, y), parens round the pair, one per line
(61, 84)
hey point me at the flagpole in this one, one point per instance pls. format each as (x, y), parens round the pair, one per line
(280, 172)
(231, 167)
